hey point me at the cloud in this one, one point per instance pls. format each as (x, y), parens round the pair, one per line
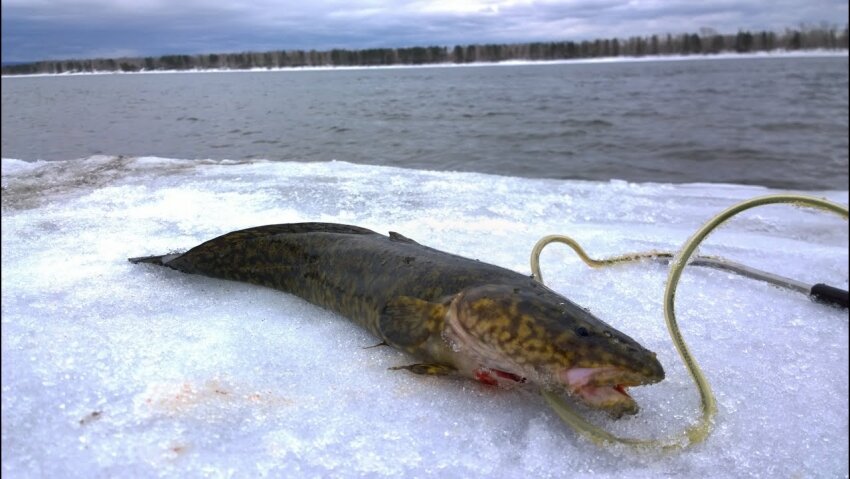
(41, 29)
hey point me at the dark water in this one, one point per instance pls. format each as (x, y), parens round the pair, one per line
(780, 122)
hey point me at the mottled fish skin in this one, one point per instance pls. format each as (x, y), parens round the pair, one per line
(445, 310)
(347, 269)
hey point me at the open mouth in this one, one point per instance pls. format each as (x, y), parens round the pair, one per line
(603, 388)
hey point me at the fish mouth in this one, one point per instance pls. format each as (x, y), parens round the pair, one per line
(604, 388)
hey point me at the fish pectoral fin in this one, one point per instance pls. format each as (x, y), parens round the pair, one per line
(427, 369)
(401, 238)
(407, 321)
(382, 343)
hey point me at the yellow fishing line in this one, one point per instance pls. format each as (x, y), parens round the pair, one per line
(698, 432)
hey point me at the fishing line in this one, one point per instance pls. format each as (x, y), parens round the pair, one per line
(699, 431)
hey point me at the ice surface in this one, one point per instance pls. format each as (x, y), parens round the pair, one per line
(118, 370)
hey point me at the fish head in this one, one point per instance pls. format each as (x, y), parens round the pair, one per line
(533, 333)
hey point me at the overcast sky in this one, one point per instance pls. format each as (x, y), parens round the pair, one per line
(59, 29)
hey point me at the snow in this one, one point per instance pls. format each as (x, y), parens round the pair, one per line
(118, 370)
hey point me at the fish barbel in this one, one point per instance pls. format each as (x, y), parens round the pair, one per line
(453, 314)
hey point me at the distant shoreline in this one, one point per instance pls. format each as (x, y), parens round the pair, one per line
(812, 53)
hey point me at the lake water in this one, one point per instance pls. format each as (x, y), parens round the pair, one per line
(778, 122)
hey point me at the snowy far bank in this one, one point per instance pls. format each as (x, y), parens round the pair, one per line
(618, 59)
(120, 370)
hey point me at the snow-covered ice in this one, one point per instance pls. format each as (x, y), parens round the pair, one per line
(118, 370)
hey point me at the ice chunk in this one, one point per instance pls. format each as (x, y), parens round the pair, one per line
(112, 369)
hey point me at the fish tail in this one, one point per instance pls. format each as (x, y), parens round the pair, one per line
(278, 256)
(161, 260)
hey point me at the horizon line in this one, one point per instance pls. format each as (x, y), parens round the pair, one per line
(777, 53)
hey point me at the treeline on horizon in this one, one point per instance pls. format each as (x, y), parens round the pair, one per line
(706, 43)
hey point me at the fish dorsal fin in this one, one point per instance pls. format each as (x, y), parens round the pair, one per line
(401, 238)
(407, 322)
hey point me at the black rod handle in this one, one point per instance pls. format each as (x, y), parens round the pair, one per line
(825, 293)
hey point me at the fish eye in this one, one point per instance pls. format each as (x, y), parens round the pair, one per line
(581, 331)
